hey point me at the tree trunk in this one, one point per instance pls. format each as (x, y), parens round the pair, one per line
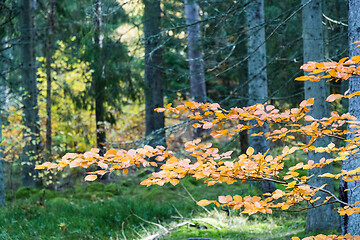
(2, 108)
(99, 81)
(155, 122)
(351, 224)
(324, 217)
(258, 89)
(31, 133)
(48, 78)
(195, 57)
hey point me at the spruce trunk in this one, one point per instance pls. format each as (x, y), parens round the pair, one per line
(351, 224)
(154, 121)
(31, 132)
(258, 86)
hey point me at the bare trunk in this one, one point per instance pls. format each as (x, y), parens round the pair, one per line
(99, 81)
(258, 88)
(2, 108)
(195, 57)
(49, 78)
(324, 217)
(155, 122)
(351, 224)
(31, 133)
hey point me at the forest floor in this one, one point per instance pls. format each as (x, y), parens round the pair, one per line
(127, 210)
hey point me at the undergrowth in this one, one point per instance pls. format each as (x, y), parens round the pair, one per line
(127, 210)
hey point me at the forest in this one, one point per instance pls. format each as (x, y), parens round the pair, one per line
(179, 119)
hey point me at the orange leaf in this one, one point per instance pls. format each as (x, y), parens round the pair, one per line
(302, 78)
(203, 203)
(174, 181)
(310, 101)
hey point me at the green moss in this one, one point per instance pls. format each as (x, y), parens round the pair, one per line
(25, 192)
(9, 195)
(95, 187)
(112, 187)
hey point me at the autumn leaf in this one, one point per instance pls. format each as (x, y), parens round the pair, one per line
(250, 151)
(208, 125)
(90, 178)
(203, 203)
(333, 97)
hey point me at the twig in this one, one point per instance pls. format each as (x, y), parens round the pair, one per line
(156, 224)
(198, 220)
(122, 231)
(157, 235)
(192, 198)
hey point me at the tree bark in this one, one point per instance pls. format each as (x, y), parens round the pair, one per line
(258, 89)
(49, 78)
(31, 133)
(195, 56)
(99, 81)
(2, 108)
(324, 217)
(155, 121)
(351, 224)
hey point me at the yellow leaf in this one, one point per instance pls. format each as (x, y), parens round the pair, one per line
(250, 151)
(90, 178)
(110, 152)
(291, 185)
(310, 101)
(174, 181)
(203, 203)
(295, 238)
(40, 167)
(126, 171)
(302, 78)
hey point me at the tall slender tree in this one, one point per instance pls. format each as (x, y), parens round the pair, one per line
(48, 53)
(258, 86)
(195, 56)
(351, 224)
(31, 133)
(99, 83)
(2, 105)
(154, 121)
(324, 217)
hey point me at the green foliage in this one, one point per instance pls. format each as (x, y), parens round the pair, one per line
(25, 192)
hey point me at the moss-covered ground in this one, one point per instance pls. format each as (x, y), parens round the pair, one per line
(127, 210)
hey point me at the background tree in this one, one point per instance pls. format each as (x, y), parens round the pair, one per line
(195, 57)
(2, 106)
(154, 121)
(31, 133)
(48, 53)
(258, 90)
(324, 217)
(98, 78)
